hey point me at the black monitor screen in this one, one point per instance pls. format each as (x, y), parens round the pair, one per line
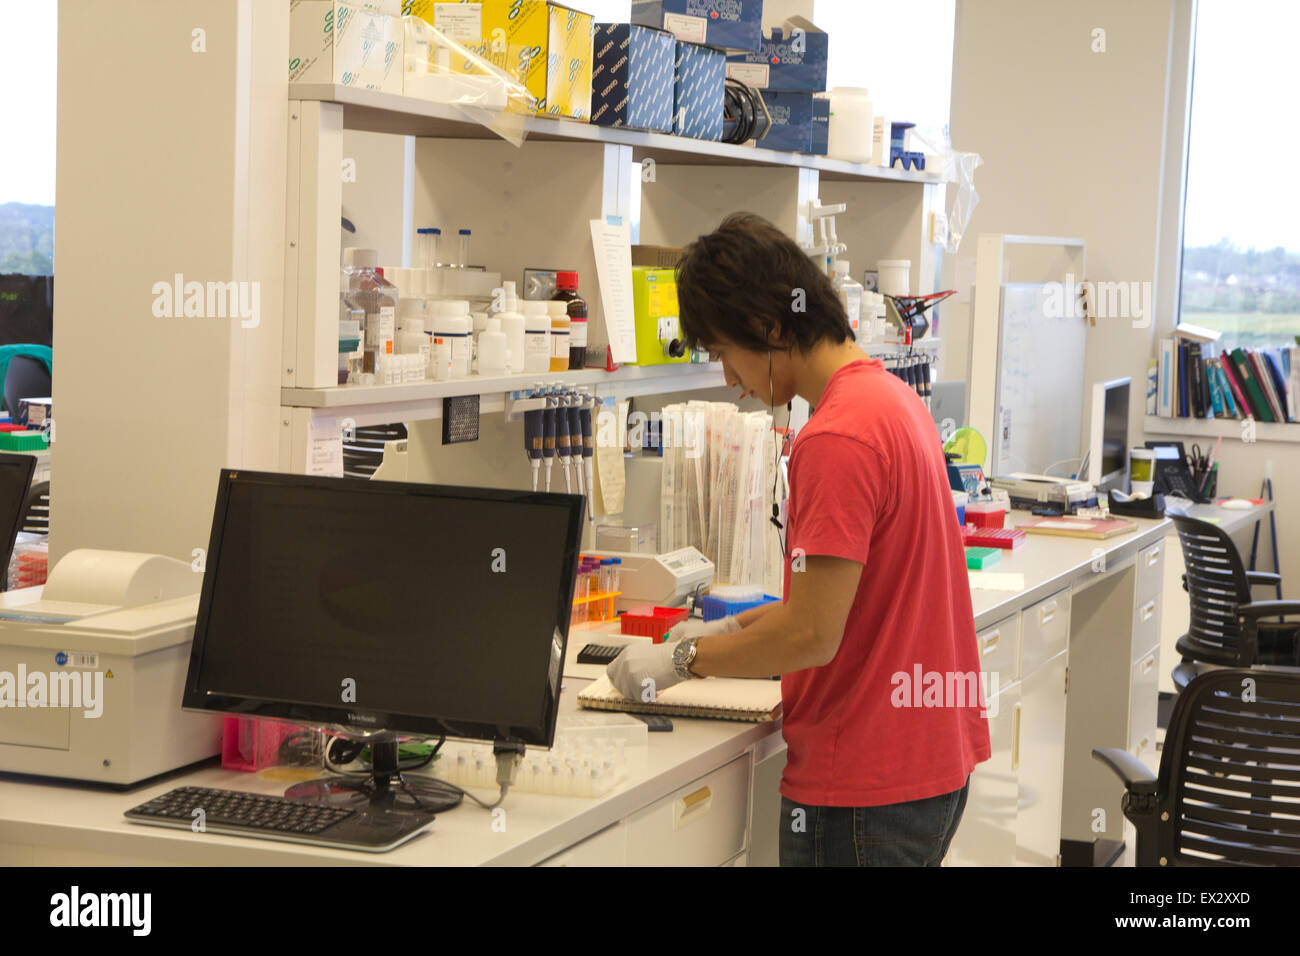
(406, 607)
(1114, 436)
(15, 485)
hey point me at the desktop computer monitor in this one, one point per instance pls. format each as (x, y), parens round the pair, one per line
(15, 485)
(1108, 446)
(386, 606)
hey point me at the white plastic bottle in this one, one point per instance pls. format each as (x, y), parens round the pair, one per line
(492, 349)
(514, 326)
(537, 336)
(453, 324)
(850, 293)
(849, 132)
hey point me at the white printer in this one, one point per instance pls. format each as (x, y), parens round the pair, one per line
(92, 668)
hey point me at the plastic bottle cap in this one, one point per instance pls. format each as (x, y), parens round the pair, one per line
(841, 267)
(533, 309)
(463, 232)
(566, 280)
(557, 309)
(451, 307)
(360, 258)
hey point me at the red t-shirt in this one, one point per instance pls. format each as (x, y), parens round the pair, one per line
(868, 483)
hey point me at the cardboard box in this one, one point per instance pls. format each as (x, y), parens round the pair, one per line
(658, 257)
(546, 46)
(737, 24)
(654, 302)
(35, 413)
(698, 82)
(351, 44)
(792, 57)
(632, 76)
(792, 121)
(821, 124)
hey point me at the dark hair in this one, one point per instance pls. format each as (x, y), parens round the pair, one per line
(743, 279)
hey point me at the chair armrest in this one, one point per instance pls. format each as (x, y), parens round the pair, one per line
(1257, 609)
(1137, 778)
(1262, 578)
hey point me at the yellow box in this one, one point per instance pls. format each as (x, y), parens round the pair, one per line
(544, 45)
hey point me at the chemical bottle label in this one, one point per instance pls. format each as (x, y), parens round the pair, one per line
(578, 335)
(560, 345)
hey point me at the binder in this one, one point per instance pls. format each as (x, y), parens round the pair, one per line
(721, 698)
(1234, 383)
(1279, 385)
(1250, 385)
(1182, 380)
(1165, 396)
(1260, 368)
(1216, 397)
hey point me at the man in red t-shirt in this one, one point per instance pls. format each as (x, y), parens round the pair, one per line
(875, 641)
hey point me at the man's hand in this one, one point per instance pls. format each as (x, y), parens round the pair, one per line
(693, 628)
(643, 671)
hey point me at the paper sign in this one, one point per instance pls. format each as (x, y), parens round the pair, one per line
(462, 22)
(325, 448)
(612, 246)
(690, 29)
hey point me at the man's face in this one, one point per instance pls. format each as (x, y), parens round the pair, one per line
(759, 373)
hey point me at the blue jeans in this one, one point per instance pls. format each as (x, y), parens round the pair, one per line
(916, 833)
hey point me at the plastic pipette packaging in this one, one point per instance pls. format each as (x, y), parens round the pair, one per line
(592, 755)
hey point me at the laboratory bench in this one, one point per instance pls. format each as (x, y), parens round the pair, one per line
(1070, 660)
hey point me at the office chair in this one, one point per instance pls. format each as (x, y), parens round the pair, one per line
(26, 378)
(1228, 792)
(36, 509)
(1227, 628)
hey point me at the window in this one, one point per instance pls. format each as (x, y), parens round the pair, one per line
(1241, 231)
(28, 48)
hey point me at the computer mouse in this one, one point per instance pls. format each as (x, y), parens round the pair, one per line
(1238, 504)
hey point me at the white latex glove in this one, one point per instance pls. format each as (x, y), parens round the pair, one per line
(693, 628)
(643, 671)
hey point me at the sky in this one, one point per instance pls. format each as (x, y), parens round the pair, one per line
(1242, 135)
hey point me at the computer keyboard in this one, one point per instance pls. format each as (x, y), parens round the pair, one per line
(236, 813)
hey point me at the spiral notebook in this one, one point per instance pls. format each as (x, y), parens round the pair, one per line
(722, 698)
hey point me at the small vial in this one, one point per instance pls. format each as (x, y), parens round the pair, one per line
(462, 248)
(435, 242)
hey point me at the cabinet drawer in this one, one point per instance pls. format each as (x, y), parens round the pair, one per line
(606, 848)
(1143, 697)
(1045, 631)
(1146, 627)
(1151, 571)
(702, 824)
(986, 835)
(999, 652)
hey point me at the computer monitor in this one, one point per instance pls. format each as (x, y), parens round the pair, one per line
(1108, 446)
(15, 485)
(386, 606)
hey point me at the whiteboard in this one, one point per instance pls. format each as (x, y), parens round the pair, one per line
(1041, 350)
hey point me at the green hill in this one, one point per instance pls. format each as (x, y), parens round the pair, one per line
(26, 239)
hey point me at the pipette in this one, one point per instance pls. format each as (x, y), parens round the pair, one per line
(588, 451)
(548, 437)
(533, 439)
(562, 438)
(575, 436)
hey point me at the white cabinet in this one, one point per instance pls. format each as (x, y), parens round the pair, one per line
(1041, 764)
(704, 823)
(606, 848)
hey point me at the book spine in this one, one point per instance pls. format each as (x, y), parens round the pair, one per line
(1165, 407)
(1216, 397)
(1238, 393)
(1265, 385)
(1258, 404)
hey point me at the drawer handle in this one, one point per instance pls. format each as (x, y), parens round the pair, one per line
(989, 642)
(1147, 665)
(1148, 611)
(1153, 556)
(1142, 746)
(1015, 737)
(692, 807)
(1046, 612)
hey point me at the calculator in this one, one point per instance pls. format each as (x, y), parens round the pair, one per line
(599, 653)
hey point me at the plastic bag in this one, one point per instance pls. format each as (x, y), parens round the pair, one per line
(441, 70)
(954, 167)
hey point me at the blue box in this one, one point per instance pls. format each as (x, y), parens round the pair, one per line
(737, 24)
(698, 82)
(792, 121)
(821, 125)
(632, 70)
(792, 58)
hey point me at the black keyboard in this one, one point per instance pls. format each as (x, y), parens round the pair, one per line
(236, 813)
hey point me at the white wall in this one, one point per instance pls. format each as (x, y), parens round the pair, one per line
(1083, 143)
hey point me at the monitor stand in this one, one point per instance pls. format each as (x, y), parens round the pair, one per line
(384, 787)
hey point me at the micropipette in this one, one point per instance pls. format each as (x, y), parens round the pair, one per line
(533, 440)
(562, 438)
(588, 453)
(548, 437)
(575, 436)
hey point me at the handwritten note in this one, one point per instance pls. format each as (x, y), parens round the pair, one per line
(612, 245)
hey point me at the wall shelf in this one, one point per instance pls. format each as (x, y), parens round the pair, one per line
(1220, 428)
(376, 112)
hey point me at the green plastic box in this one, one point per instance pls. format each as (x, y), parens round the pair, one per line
(981, 559)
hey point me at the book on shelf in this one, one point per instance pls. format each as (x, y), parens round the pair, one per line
(1263, 384)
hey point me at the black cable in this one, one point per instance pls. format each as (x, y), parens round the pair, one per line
(741, 111)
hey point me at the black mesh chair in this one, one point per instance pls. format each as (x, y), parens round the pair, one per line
(1228, 792)
(26, 378)
(1226, 628)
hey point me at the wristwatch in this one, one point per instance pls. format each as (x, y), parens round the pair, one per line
(683, 657)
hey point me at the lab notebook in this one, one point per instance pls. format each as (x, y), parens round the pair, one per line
(721, 698)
